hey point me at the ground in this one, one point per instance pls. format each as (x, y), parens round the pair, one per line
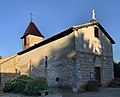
(104, 92)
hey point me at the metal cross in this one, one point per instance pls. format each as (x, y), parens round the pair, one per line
(31, 16)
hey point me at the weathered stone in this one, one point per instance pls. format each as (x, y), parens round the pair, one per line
(73, 58)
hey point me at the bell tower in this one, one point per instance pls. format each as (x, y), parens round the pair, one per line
(31, 36)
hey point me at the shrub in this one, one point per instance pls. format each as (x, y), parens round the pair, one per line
(16, 85)
(92, 85)
(114, 83)
(96, 82)
(9, 85)
(34, 86)
(20, 83)
(117, 69)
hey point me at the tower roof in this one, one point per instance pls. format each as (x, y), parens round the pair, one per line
(32, 30)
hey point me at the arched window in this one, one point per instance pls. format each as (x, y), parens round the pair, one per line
(25, 41)
(46, 61)
(57, 79)
(96, 33)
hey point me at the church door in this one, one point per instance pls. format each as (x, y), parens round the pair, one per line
(97, 74)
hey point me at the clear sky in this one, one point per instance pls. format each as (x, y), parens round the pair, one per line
(54, 16)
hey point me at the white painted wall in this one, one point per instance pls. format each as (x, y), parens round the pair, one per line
(87, 42)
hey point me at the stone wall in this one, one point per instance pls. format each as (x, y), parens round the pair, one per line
(59, 54)
(93, 52)
(108, 69)
(60, 62)
(8, 68)
(86, 41)
(86, 64)
(71, 58)
(31, 40)
(64, 68)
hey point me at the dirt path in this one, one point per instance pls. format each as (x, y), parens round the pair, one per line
(105, 92)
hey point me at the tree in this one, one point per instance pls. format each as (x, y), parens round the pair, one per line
(0, 57)
(117, 70)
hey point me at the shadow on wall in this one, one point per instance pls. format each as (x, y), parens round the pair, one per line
(84, 44)
(88, 44)
(56, 64)
(61, 62)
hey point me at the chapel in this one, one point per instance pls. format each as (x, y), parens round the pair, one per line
(74, 56)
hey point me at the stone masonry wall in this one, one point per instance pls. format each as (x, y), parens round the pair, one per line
(60, 60)
(64, 68)
(85, 63)
(108, 70)
(85, 66)
(8, 68)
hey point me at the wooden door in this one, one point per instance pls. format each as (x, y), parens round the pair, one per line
(97, 74)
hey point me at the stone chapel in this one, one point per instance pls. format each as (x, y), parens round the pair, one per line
(75, 56)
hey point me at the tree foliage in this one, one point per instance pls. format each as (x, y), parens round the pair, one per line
(117, 70)
(34, 86)
(17, 84)
(0, 57)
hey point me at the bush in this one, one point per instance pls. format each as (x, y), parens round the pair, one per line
(92, 85)
(9, 85)
(25, 84)
(117, 70)
(34, 86)
(16, 85)
(114, 83)
(20, 83)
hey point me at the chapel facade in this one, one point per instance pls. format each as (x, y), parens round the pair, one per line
(75, 56)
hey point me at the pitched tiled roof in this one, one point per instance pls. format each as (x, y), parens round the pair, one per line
(32, 30)
(65, 33)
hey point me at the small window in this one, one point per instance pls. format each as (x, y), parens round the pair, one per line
(96, 32)
(25, 41)
(46, 61)
(16, 71)
(57, 79)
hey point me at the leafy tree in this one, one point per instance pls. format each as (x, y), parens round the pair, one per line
(117, 70)
(0, 57)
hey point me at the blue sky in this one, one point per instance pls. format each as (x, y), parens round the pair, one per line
(52, 17)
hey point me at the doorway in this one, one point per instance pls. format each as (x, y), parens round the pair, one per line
(98, 74)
